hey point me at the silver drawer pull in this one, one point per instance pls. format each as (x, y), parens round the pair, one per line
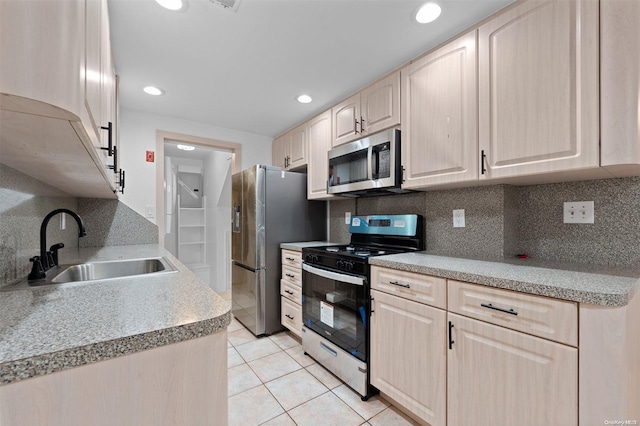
(289, 316)
(288, 291)
(328, 349)
(399, 284)
(290, 275)
(290, 258)
(506, 311)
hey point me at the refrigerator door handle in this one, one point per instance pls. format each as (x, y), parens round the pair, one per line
(236, 219)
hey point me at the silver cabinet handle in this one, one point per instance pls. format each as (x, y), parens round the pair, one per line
(399, 284)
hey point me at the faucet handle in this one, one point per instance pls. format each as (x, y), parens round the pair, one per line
(37, 271)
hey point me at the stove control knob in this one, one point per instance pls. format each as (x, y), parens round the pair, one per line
(340, 264)
(314, 258)
(349, 266)
(308, 258)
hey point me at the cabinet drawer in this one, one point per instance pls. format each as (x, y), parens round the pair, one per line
(292, 258)
(417, 287)
(291, 291)
(291, 316)
(292, 275)
(540, 316)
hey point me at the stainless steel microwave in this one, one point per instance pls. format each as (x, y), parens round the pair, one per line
(368, 166)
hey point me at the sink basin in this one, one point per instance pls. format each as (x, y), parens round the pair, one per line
(114, 269)
(92, 271)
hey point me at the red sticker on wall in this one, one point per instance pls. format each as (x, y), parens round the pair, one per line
(150, 156)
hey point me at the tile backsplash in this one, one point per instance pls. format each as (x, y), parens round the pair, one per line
(502, 220)
(24, 202)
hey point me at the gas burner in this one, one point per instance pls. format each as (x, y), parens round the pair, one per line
(350, 248)
(333, 249)
(362, 252)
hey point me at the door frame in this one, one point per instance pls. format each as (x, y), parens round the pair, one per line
(163, 136)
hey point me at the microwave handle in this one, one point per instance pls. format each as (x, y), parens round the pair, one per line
(369, 163)
(376, 173)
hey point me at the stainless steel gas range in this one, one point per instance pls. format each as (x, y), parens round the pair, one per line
(336, 300)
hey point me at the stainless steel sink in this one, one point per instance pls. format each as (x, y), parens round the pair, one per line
(115, 269)
(93, 271)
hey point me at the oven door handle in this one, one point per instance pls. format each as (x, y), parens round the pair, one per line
(333, 275)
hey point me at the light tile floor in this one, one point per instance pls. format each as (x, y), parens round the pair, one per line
(272, 382)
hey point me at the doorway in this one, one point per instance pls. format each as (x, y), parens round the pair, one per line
(193, 201)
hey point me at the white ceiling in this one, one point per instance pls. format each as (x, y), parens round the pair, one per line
(244, 70)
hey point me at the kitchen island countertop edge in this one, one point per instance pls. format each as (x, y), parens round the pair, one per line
(58, 327)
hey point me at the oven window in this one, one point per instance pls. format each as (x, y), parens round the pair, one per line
(336, 310)
(348, 168)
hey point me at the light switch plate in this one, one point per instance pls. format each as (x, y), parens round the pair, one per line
(149, 211)
(579, 212)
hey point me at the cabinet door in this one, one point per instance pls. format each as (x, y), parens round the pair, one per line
(298, 147)
(439, 110)
(408, 355)
(498, 376)
(319, 131)
(93, 70)
(291, 316)
(380, 105)
(538, 81)
(346, 119)
(108, 93)
(43, 56)
(278, 151)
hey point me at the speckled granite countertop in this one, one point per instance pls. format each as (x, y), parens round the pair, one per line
(301, 245)
(64, 326)
(598, 285)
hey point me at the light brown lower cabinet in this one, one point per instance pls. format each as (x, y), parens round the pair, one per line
(183, 383)
(501, 357)
(498, 376)
(291, 291)
(408, 355)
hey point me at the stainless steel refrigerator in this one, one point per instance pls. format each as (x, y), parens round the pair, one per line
(269, 207)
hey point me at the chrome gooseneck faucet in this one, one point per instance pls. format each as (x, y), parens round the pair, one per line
(49, 259)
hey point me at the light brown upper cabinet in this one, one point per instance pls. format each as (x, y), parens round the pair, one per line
(289, 151)
(375, 108)
(279, 151)
(319, 133)
(538, 89)
(439, 116)
(54, 94)
(619, 87)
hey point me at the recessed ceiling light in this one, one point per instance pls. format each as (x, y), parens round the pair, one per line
(428, 12)
(186, 147)
(151, 90)
(171, 4)
(304, 99)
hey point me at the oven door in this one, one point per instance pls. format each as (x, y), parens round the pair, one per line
(336, 306)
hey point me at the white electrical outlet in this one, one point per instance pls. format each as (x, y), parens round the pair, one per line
(149, 211)
(458, 218)
(578, 212)
(347, 218)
